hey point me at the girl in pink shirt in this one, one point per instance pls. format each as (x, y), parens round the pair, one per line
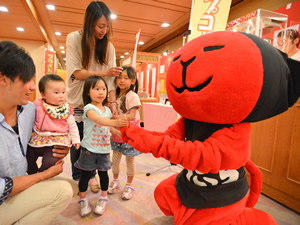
(54, 124)
(128, 104)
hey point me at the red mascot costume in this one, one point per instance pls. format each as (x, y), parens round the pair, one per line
(218, 83)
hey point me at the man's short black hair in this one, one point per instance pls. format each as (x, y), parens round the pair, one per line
(15, 62)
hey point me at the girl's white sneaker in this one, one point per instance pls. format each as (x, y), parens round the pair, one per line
(127, 192)
(113, 187)
(85, 209)
(100, 206)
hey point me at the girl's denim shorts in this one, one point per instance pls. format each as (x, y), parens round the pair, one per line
(90, 161)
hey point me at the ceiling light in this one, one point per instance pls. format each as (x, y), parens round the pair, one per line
(21, 29)
(122, 56)
(57, 33)
(61, 47)
(50, 7)
(3, 9)
(165, 25)
(113, 16)
(63, 51)
(65, 59)
(126, 53)
(141, 43)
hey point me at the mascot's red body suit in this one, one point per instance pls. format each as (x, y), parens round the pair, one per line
(218, 83)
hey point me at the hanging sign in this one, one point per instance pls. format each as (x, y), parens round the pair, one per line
(135, 49)
(241, 19)
(49, 62)
(208, 16)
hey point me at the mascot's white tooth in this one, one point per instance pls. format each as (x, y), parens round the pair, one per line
(233, 175)
(199, 183)
(189, 174)
(198, 172)
(212, 181)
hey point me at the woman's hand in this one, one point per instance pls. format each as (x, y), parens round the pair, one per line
(60, 151)
(114, 72)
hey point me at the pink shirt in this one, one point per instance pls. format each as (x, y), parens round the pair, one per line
(49, 121)
(132, 100)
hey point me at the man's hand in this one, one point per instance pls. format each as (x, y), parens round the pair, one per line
(76, 145)
(54, 170)
(60, 151)
(23, 182)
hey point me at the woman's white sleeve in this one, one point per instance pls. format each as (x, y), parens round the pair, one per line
(73, 53)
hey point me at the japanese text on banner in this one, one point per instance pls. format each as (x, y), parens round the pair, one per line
(208, 16)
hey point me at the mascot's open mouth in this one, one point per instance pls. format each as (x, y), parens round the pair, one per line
(197, 88)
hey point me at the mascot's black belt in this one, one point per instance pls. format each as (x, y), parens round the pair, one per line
(196, 197)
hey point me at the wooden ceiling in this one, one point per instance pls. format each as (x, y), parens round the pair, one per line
(40, 24)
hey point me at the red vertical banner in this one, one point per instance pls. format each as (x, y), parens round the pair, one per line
(153, 71)
(143, 80)
(49, 61)
(148, 79)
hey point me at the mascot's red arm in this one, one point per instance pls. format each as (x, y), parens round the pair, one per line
(175, 131)
(226, 149)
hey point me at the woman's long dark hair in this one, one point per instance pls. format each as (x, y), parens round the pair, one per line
(94, 11)
(91, 83)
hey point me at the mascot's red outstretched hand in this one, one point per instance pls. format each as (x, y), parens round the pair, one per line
(218, 83)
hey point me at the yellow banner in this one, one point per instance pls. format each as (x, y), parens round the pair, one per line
(208, 16)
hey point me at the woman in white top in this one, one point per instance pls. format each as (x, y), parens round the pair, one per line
(90, 52)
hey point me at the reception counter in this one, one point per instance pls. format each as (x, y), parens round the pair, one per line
(144, 100)
(158, 117)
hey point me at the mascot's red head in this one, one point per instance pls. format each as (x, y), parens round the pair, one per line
(225, 78)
